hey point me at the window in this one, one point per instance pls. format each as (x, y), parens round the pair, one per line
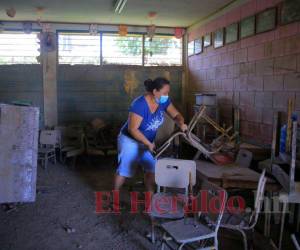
(83, 48)
(19, 48)
(78, 49)
(122, 49)
(191, 48)
(163, 51)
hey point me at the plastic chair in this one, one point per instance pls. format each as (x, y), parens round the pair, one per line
(71, 142)
(48, 142)
(61, 132)
(246, 221)
(171, 174)
(206, 149)
(99, 140)
(204, 227)
(74, 145)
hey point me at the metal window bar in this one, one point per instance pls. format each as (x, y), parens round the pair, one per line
(143, 55)
(101, 51)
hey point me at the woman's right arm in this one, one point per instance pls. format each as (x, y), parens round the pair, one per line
(134, 123)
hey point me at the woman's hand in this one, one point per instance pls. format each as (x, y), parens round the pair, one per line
(177, 117)
(151, 147)
(183, 127)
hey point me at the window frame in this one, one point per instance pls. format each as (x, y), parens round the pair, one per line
(144, 36)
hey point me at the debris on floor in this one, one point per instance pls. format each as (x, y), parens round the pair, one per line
(69, 229)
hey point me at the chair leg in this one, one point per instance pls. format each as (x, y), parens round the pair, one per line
(163, 241)
(152, 231)
(251, 240)
(63, 157)
(74, 162)
(244, 239)
(60, 155)
(298, 218)
(54, 157)
(292, 211)
(181, 246)
(46, 162)
(267, 204)
(216, 245)
(163, 246)
(284, 208)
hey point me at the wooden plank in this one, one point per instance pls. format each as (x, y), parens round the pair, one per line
(231, 176)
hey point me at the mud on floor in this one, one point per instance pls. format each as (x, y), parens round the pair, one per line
(64, 217)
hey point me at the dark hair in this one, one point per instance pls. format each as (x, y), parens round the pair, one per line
(157, 84)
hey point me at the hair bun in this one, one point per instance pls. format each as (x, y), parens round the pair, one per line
(148, 82)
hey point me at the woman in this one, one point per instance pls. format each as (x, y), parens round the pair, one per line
(136, 139)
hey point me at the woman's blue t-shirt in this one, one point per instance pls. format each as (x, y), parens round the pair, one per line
(151, 121)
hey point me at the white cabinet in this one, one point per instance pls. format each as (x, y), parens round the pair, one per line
(19, 128)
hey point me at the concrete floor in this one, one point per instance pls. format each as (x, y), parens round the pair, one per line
(63, 216)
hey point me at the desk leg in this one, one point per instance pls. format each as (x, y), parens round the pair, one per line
(271, 204)
(284, 208)
(197, 155)
(292, 210)
(267, 206)
(276, 212)
(298, 217)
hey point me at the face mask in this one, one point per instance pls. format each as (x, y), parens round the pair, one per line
(163, 99)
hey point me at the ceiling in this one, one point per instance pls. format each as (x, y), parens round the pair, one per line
(171, 13)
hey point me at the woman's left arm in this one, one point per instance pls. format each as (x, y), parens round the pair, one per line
(177, 117)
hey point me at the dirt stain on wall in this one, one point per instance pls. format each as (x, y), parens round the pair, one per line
(130, 82)
(167, 75)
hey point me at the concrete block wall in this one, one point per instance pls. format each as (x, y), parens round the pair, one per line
(258, 74)
(22, 83)
(86, 92)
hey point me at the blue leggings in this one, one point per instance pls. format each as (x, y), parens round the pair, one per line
(132, 154)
